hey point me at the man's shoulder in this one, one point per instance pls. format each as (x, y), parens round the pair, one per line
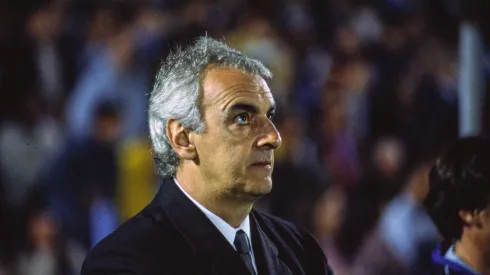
(278, 226)
(294, 241)
(134, 245)
(135, 231)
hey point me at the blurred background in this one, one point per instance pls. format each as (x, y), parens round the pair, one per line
(367, 93)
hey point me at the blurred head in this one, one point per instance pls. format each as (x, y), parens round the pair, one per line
(459, 195)
(256, 26)
(210, 115)
(42, 228)
(357, 76)
(329, 212)
(346, 41)
(388, 156)
(106, 122)
(108, 18)
(45, 19)
(299, 23)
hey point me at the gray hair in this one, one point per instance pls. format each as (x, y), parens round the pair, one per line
(177, 92)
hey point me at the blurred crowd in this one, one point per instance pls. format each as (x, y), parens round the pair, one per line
(367, 95)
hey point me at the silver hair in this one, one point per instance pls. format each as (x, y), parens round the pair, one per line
(177, 92)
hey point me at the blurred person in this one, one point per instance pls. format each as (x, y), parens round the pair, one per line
(415, 95)
(107, 17)
(312, 78)
(298, 148)
(389, 58)
(313, 61)
(35, 74)
(339, 145)
(379, 182)
(458, 203)
(25, 142)
(112, 72)
(346, 42)
(213, 17)
(427, 98)
(256, 37)
(46, 250)
(296, 24)
(358, 78)
(210, 123)
(42, 57)
(55, 68)
(298, 170)
(83, 174)
(329, 216)
(404, 235)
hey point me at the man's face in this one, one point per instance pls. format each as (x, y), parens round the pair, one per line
(235, 153)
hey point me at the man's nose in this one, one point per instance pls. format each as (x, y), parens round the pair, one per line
(271, 138)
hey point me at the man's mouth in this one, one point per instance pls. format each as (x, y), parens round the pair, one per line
(262, 164)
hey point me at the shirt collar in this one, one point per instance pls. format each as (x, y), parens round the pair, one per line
(452, 256)
(227, 230)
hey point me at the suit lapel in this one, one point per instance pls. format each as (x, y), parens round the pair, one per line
(208, 244)
(266, 253)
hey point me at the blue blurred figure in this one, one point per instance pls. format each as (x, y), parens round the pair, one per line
(83, 177)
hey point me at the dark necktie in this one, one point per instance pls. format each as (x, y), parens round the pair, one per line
(243, 247)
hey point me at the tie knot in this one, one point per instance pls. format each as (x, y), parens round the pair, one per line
(241, 242)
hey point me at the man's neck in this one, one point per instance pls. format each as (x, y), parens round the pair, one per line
(230, 210)
(473, 254)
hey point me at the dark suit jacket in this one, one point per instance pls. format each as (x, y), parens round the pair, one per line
(172, 236)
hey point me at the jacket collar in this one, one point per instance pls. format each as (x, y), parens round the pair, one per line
(207, 242)
(266, 255)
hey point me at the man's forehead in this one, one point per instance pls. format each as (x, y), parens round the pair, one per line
(221, 85)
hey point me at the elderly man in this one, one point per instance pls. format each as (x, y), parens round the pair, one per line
(459, 204)
(210, 122)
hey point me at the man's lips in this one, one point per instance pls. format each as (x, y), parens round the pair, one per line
(262, 163)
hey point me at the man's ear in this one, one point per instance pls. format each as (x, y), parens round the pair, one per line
(470, 217)
(179, 139)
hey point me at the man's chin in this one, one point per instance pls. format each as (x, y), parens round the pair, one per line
(259, 188)
(252, 189)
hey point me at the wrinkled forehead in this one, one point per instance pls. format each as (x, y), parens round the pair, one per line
(223, 85)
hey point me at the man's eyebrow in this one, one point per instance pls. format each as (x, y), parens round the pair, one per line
(240, 107)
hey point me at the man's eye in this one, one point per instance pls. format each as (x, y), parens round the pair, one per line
(242, 119)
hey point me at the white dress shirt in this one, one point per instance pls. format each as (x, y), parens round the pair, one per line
(227, 230)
